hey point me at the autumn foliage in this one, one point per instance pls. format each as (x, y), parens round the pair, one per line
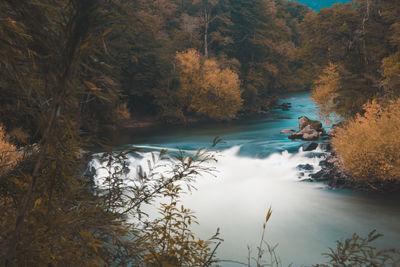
(369, 144)
(9, 155)
(208, 89)
(325, 92)
(169, 240)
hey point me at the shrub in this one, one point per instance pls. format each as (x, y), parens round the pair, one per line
(368, 145)
(208, 89)
(169, 240)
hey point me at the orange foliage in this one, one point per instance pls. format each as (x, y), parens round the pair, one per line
(369, 145)
(325, 92)
(9, 155)
(208, 89)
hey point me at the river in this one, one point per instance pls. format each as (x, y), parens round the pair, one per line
(256, 170)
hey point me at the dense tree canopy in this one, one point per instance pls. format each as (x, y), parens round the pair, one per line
(361, 39)
(257, 39)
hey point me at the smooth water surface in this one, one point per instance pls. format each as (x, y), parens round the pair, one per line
(256, 170)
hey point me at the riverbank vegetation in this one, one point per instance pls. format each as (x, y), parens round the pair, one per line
(74, 68)
(357, 47)
(368, 145)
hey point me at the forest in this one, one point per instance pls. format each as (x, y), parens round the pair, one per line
(72, 70)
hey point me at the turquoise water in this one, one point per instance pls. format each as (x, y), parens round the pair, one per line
(256, 169)
(258, 137)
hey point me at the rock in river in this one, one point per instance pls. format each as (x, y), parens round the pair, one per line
(306, 167)
(309, 130)
(310, 146)
(304, 122)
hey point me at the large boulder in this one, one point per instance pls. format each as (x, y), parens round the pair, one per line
(309, 130)
(307, 134)
(304, 122)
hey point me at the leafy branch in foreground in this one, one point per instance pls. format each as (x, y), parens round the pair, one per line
(169, 240)
(125, 191)
(358, 252)
(164, 241)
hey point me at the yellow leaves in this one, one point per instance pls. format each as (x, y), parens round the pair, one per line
(268, 216)
(9, 154)
(208, 89)
(189, 61)
(170, 240)
(368, 145)
(37, 202)
(325, 93)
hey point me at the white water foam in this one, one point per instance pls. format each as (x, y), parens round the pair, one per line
(238, 196)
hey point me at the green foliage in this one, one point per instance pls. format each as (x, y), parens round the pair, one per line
(357, 251)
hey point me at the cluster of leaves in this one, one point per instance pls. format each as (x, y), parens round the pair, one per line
(206, 89)
(368, 144)
(9, 154)
(169, 240)
(357, 251)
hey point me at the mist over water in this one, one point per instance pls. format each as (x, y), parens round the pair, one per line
(256, 169)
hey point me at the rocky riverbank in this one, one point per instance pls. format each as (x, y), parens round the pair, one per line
(331, 170)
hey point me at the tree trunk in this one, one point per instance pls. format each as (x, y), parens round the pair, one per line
(206, 22)
(365, 19)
